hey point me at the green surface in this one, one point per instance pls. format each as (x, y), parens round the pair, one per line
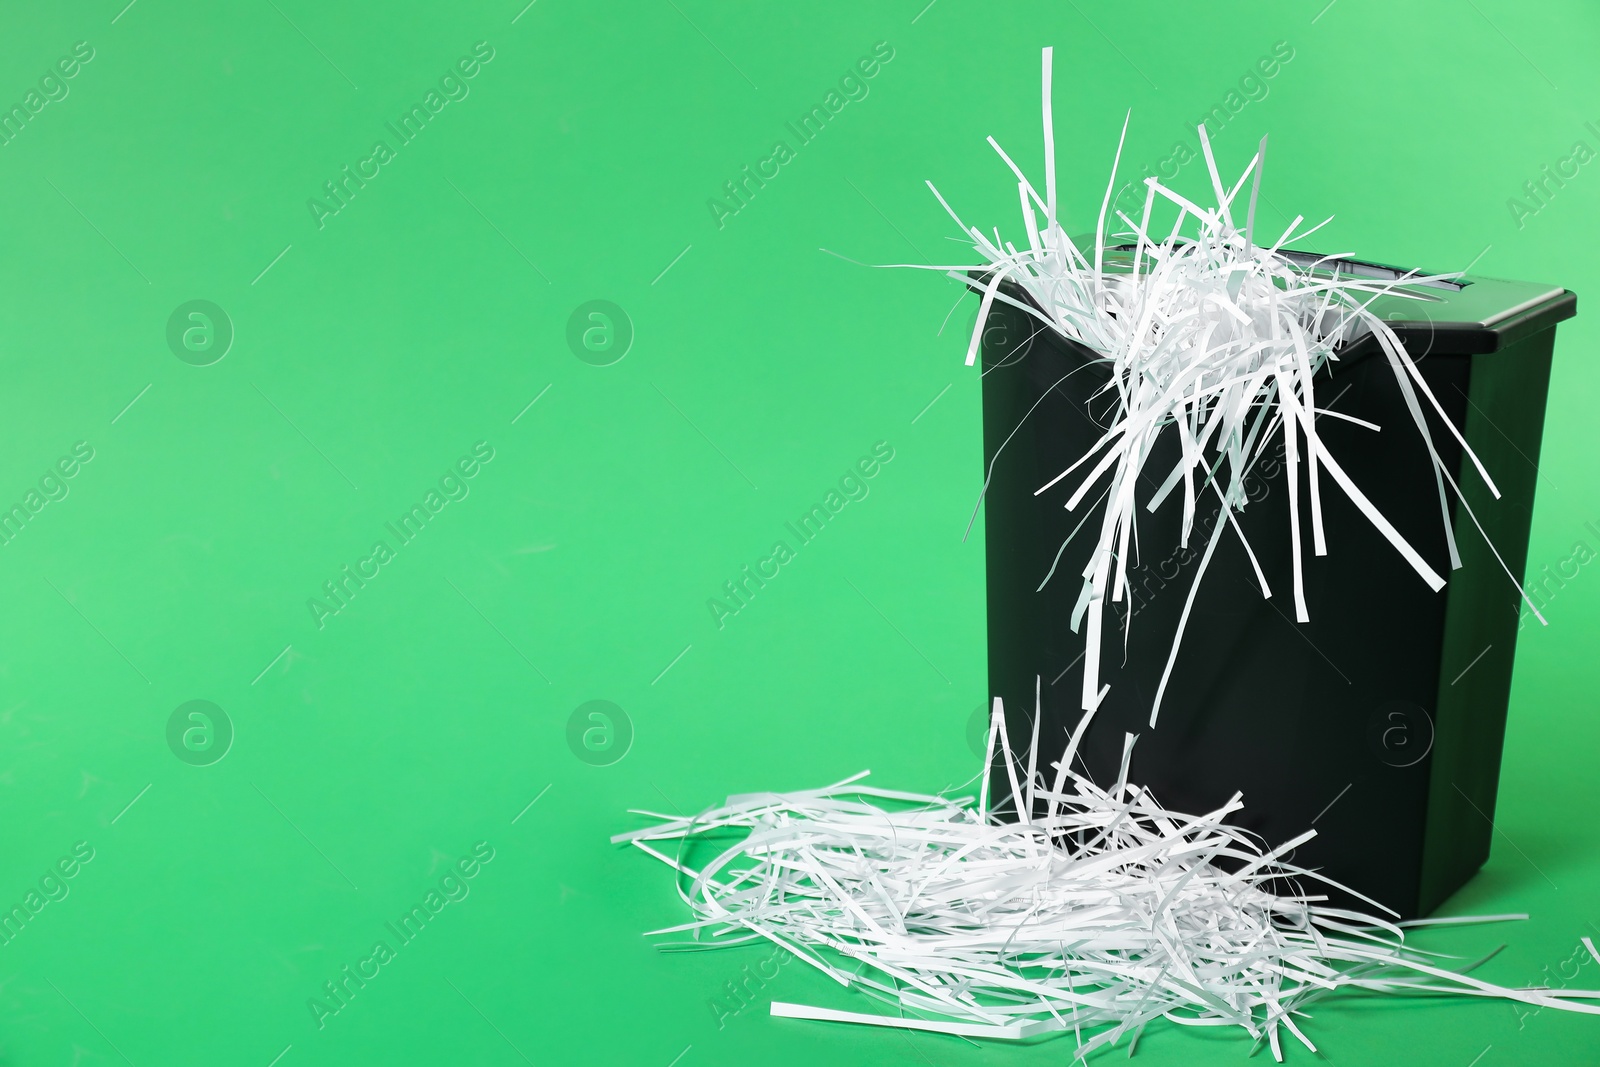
(376, 747)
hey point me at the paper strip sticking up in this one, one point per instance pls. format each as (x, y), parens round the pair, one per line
(1209, 335)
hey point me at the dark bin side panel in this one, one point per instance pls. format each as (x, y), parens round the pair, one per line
(1504, 426)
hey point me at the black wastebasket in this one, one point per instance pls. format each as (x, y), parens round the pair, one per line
(1380, 722)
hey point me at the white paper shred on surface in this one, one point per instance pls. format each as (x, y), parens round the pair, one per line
(1211, 336)
(1098, 912)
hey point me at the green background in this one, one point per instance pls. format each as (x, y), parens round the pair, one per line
(373, 752)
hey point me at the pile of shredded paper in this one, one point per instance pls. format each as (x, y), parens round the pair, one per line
(1098, 913)
(1213, 336)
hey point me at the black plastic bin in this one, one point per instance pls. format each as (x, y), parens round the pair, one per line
(1380, 722)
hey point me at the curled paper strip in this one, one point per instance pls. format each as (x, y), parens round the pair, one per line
(1091, 910)
(1212, 336)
